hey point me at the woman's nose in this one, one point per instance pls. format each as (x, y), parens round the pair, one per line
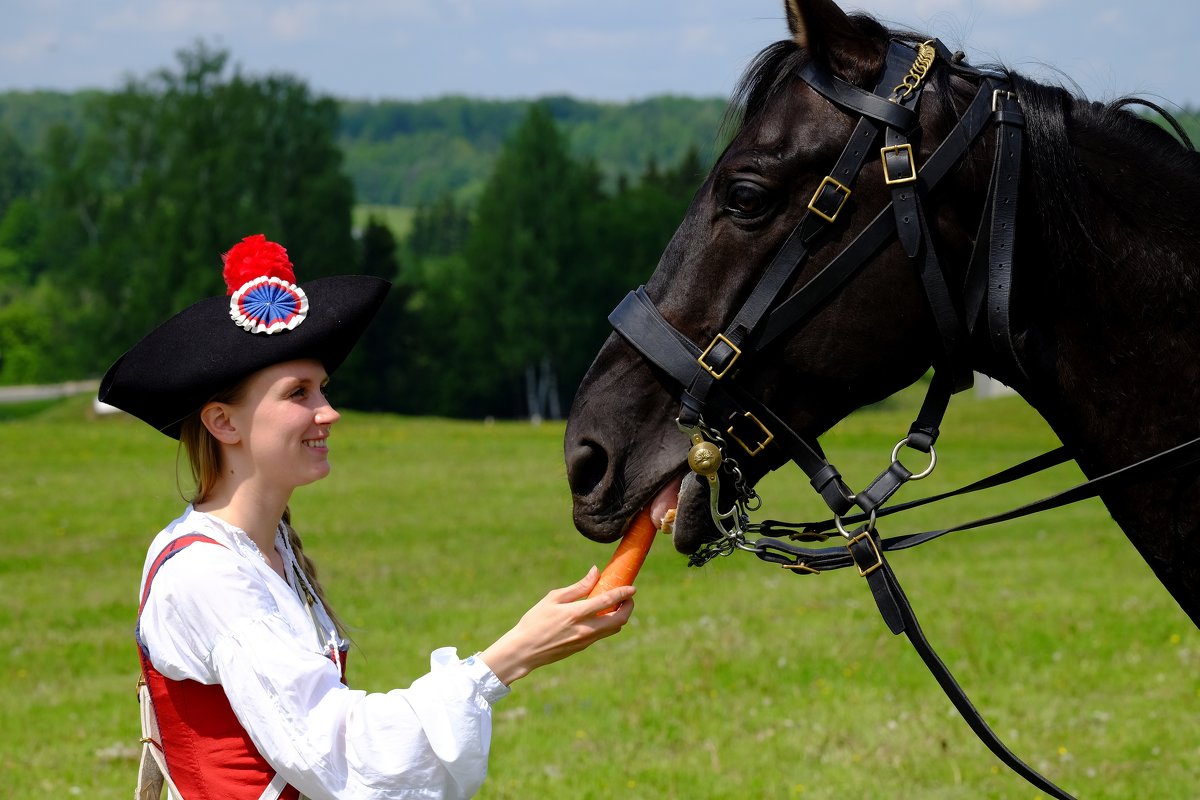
(326, 415)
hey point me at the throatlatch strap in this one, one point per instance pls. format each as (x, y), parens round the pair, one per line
(1011, 123)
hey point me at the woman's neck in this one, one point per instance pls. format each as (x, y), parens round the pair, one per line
(252, 511)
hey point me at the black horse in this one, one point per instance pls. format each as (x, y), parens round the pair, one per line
(1092, 317)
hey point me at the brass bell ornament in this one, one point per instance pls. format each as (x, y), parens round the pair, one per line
(704, 458)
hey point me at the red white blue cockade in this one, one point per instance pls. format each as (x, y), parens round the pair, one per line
(268, 305)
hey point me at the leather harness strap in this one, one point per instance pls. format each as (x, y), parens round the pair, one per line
(823, 209)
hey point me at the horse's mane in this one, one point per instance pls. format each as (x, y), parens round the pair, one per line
(1057, 123)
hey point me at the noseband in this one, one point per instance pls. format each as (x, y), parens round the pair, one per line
(706, 374)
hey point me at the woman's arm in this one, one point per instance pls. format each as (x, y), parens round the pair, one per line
(330, 741)
(564, 622)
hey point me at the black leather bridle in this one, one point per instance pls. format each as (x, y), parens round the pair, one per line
(705, 374)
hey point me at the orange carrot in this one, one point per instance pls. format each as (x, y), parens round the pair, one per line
(623, 567)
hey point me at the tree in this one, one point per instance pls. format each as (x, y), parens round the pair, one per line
(170, 172)
(28, 330)
(639, 219)
(439, 228)
(519, 313)
(527, 263)
(374, 376)
(18, 171)
(19, 262)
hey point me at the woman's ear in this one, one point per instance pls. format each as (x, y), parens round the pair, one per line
(215, 417)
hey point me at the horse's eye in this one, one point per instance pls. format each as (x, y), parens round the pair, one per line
(747, 199)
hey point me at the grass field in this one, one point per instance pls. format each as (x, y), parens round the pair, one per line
(397, 218)
(733, 681)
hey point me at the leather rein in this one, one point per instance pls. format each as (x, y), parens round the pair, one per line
(705, 374)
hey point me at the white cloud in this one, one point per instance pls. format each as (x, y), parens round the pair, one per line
(155, 18)
(295, 23)
(29, 46)
(1018, 7)
(1110, 18)
(286, 20)
(699, 39)
(590, 40)
(906, 9)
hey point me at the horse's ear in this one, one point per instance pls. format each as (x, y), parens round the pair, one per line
(832, 37)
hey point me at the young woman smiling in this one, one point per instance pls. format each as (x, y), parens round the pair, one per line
(243, 661)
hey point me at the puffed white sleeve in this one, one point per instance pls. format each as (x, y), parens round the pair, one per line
(430, 740)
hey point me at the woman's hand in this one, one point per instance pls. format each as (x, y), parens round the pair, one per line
(564, 622)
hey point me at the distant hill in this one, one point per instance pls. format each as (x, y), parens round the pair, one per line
(30, 115)
(406, 153)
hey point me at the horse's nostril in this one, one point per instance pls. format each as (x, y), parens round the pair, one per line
(587, 466)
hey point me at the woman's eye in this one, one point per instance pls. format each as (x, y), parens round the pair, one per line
(747, 199)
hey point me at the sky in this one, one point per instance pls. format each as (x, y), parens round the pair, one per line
(614, 50)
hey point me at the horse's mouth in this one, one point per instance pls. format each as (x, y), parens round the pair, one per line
(681, 508)
(664, 506)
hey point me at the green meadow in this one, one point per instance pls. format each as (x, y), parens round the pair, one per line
(398, 219)
(737, 680)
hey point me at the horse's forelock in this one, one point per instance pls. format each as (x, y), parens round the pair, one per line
(770, 70)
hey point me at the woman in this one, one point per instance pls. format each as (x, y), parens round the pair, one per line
(242, 659)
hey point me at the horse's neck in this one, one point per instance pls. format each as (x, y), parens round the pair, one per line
(1121, 316)
(1113, 346)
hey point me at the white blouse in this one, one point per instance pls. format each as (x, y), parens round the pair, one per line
(223, 615)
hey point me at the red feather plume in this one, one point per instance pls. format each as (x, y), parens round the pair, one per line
(255, 257)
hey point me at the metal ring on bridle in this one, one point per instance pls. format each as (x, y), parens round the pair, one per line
(837, 520)
(918, 475)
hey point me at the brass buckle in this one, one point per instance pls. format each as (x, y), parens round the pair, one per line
(770, 437)
(803, 569)
(878, 556)
(737, 352)
(905, 148)
(839, 187)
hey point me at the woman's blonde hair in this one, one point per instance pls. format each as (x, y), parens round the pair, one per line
(204, 458)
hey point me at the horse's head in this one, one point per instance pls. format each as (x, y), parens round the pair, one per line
(776, 190)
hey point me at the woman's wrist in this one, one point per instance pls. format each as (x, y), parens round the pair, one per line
(505, 662)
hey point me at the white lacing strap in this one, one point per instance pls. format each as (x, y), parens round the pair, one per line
(152, 768)
(274, 788)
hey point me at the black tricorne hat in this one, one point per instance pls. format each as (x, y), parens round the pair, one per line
(266, 319)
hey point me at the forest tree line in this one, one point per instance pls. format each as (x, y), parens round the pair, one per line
(116, 206)
(409, 153)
